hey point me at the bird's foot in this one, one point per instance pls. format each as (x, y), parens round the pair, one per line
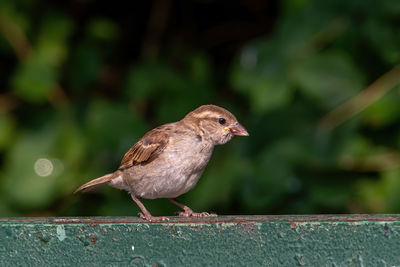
(151, 218)
(190, 213)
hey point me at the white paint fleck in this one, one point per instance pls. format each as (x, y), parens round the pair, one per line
(61, 232)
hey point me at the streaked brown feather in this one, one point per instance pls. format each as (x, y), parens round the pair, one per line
(147, 148)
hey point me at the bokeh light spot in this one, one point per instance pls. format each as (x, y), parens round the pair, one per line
(43, 167)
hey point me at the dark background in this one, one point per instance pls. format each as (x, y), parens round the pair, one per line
(314, 82)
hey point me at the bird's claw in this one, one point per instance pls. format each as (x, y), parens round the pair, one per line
(190, 213)
(151, 218)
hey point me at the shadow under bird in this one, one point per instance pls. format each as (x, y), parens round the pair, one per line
(169, 160)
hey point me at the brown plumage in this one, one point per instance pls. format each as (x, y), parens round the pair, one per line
(169, 160)
(147, 149)
(95, 183)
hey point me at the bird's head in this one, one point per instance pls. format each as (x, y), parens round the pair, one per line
(216, 123)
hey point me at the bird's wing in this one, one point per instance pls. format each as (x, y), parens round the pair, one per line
(147, 148)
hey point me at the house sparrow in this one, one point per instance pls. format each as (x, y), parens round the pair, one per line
(169, 160)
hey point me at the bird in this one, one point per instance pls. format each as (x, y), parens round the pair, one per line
(169, 160)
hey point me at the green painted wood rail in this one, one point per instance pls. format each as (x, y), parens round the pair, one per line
(323, 240)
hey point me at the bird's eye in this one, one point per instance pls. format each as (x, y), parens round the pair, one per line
(221, 121)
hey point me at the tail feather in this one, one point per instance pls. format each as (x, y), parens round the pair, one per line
(95, 183)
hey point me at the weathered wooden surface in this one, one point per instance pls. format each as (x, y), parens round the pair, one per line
(348, 240)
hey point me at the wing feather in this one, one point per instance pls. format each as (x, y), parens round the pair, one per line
(147, 148)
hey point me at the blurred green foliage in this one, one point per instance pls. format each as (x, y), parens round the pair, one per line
(83, 81)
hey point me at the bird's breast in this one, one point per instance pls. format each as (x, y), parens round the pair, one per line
(175, 172)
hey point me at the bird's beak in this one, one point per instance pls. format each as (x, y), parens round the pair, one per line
(238, 129)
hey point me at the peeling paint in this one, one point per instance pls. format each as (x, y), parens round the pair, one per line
(93, 239)
(325, 240)
(249, 227)
(223, 226)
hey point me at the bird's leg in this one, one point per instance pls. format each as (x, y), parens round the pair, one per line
(145, 214)
(188, 212)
